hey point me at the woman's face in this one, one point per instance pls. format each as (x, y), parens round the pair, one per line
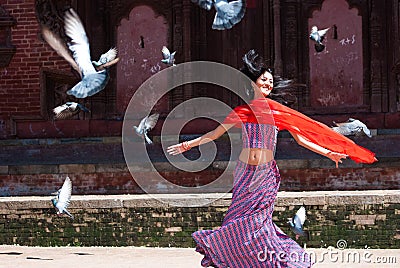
(266, 83)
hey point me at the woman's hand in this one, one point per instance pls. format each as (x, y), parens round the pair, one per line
(336, 157)
(179, 148)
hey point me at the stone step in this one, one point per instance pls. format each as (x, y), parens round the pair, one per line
(358, 219)
(97, 166)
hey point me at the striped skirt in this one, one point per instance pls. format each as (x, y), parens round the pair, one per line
(248, 237)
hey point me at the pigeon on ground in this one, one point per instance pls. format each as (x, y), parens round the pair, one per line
(352, 127)
(228, 13)
(318, 36)
(145, 126)
(61, 202)
(94, 74)
(68, 110)
(168, 57)
(296, 223)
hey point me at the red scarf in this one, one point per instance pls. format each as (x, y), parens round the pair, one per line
(267, 111)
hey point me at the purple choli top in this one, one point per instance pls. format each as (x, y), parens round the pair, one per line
(259, 136)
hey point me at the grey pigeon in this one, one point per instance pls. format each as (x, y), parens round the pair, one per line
(352, 127)
(94, 74)
(168, 57)
(61, 202)
(296, 223)
(228, 13)
(145, 125)
(318, 36)
(68, 110)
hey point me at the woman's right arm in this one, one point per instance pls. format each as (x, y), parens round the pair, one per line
(210, 136)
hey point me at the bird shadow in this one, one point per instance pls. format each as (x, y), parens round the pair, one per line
(38, 258)
(82, 254)
(11, 253)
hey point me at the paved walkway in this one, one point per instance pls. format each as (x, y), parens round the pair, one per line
(138, 257)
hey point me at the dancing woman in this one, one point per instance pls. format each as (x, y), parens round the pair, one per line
(248, 237)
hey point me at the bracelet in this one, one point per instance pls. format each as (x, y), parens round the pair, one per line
(186, 146)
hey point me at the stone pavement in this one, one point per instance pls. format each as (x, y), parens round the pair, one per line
(137, 257)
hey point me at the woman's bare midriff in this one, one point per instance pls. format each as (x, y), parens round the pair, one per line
(256, 156)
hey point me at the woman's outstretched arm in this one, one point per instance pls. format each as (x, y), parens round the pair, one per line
(210, 136)
(334, 156)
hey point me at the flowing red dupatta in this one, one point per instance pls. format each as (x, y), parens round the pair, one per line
(267, 111)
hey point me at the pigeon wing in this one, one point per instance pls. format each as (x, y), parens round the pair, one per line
(148, 140)
(172, 58)
(206, 4)
(300, 216)
(79, 42)
(59, 46)
(165, 53)
(323, 32)
(151, 121)
(64, 196)
(110, 55)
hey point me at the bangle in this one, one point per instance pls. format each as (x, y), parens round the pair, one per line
(186, 146)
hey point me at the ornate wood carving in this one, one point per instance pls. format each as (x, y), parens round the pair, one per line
(378, 57)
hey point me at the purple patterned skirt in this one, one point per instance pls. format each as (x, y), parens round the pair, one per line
(248, 237)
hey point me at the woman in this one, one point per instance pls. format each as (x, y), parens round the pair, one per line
(248, 237)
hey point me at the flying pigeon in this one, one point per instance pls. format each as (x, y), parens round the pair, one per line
(352, 127)
(296, 223)
(145, 126)
(228, 13)
(168, 57)
(318, 37)
(61, 202)
(94, 74)
(68, 110)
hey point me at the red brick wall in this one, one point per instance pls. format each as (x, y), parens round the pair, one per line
(20, 80)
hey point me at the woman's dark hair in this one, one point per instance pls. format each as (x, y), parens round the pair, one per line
(254, 66)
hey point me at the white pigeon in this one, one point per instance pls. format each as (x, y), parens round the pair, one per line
(296, 223)
(145, 125)
(61, 202)
(94, 78)
(228, 13)
(168, 57)
(318, 36)
(352, 127)
(68, 110)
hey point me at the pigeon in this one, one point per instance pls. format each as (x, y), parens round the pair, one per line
(61, 202)
(296, 223)
(146, 124)
(228, 13)
(168, 57)
(352, 127)
(318, 37)
(68, 110)
(94, 74)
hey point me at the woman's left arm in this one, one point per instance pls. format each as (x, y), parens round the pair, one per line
(334, 156)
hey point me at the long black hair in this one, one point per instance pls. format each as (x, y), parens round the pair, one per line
(254, 66)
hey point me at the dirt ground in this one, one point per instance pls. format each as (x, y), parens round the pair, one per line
(137, 257)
